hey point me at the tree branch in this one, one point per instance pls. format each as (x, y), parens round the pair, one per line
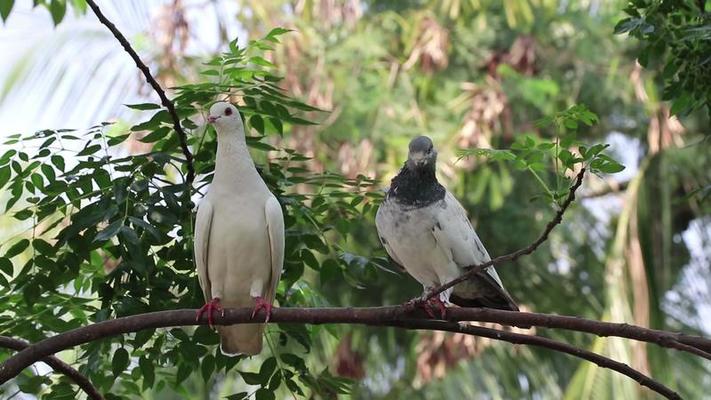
(692, 344)
(398, 316)
(57, 365)
(182, 136)
(538, 341)
(475, 269)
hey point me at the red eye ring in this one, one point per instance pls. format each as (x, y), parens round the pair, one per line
(228, 111)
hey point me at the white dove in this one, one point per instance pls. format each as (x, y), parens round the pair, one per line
(425, 230)
(239, 236)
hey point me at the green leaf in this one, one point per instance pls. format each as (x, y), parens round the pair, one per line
(267, 369)
(251, 378)
(144, 106)
(257, 123)
(264, 394)
(48, 173)
(58, 162)
(294, 361)
(119, 362)
(17, 248)
(208, 365)
(37, 180)
(5, 8)
(4, 175)
(261, 61)
(23, 214)
(148, 371)
(156, 135)
(272, 35)
(43, 246)
(611, 167)
(110, 231)
(6, 266)
(89, 149)
(682, 104)
(57, 8)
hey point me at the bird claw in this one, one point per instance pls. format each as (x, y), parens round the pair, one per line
(427, 305)
(259, 304)
(210, 307)
(440, 305)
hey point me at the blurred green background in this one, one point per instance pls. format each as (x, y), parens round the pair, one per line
(469, 73)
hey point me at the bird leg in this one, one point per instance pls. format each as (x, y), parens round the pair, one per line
(209, 307)
(261, 303)
(436, 301)
(422, 304)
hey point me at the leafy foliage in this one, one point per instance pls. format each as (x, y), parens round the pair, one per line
(56, 8)
(112, 234)
(534, 155)
(675, 37)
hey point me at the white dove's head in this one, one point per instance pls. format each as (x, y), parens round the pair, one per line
(422, 153)
(225, 117)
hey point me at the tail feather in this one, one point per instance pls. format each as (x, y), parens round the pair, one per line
(241, 339)
(482, 291)
(499, 302)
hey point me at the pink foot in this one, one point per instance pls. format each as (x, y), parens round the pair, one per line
(440, 305)
(260, 303)
(419, 303)
(210, 307)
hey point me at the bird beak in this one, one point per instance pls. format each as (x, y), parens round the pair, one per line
(418, 158)
(211, 119)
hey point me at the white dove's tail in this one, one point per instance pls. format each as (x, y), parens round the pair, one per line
(241, 339)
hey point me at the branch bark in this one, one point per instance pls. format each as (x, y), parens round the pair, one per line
(57, 365)
(182, 136)
(475, 269)
(397, 316)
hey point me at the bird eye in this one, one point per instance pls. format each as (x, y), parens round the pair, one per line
(228, 111)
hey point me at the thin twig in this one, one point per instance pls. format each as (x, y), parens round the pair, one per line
(57, 365)
(182, 136)
(398, 316)
(609, 188)
(472, 270)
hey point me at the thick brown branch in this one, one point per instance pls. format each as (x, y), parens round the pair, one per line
(693, 344)
(57, 365)
(475, 269)
(182, 136)
(378, 316)
(538, 341)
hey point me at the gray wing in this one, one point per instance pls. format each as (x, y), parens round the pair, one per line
(454, 233)
(381, 225)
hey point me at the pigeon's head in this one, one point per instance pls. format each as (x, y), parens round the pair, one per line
(422, 154)
(225, 117)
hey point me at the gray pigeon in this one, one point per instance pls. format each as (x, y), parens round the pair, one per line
(425, 230)
(239, 236)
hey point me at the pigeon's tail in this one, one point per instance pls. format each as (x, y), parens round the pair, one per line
(482, 291)
(241, 339)
(499, 303)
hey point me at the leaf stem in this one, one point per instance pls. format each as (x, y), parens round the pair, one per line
(543, 184)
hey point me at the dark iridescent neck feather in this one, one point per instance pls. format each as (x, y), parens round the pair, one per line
(416, 187)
